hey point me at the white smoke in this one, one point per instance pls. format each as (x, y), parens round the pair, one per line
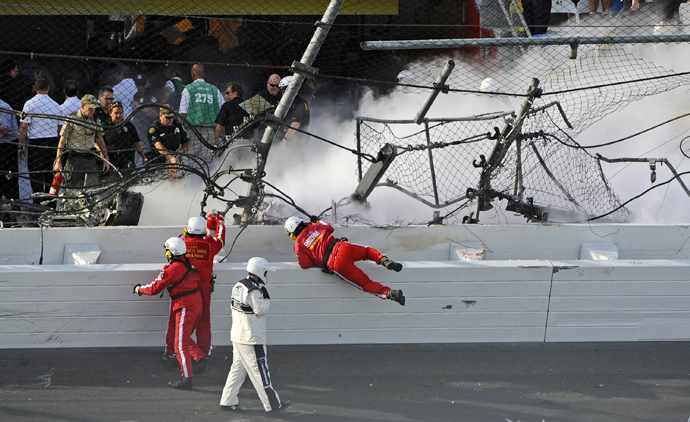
(327, 173)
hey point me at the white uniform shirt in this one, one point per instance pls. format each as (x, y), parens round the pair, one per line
(124, 93)
(40, 127)
(184, 98)
(9, 122)
(169, 83)
(249, 310)
(71, 105)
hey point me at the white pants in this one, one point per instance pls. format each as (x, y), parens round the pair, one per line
(249, 359)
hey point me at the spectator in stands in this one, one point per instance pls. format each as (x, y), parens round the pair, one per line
(32, 70)
(15, 88)
(231, 115)
(297, 117)
(670, 13)
(9, 132)
(537, 14)
(121, 142)
(124, 89)
(605, 5)
(200, 104)
(41, 134)
(264, 102)
(145, 95)
(72, 102)
(77, 141)
(172, 91)
(106, 98)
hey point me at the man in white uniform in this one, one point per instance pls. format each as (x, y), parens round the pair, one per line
(72, 103)
(42, 135)
(250, 303)
(124, 89)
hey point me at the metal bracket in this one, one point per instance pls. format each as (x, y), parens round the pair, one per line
(308, 72)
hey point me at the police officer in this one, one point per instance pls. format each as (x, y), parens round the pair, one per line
(167, 138)
(123, 141)
(102, 113)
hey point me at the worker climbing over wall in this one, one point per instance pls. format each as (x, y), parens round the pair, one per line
(315, 245)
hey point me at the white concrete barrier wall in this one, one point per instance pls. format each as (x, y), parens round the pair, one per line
(641, 296)
(448, 302)
(621, 301)
(126, 245)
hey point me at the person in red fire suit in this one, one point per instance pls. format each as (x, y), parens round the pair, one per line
(315, 245)
(203, 248)
(181, 277)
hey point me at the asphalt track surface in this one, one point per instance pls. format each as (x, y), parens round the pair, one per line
(439, 382)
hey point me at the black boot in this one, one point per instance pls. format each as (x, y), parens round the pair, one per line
(182, 384)
(397, 296)
(170, 360)
(390, 264)
(283, 405)
(202, 365)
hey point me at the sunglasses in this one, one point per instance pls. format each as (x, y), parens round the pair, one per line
(228, 92)
(274, 86)
(117, 104)
(168, 117)
(109, 98)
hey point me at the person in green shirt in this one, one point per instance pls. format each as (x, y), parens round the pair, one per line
(200, 104)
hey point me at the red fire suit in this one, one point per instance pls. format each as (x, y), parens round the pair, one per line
(182, 278)
(203, 249)
(315, 245)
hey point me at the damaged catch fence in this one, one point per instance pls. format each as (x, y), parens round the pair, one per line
(126, 44)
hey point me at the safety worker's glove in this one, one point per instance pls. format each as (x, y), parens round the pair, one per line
(135, 289)
(264, 292)
(213, 219)
(313, 219)
(211, 222)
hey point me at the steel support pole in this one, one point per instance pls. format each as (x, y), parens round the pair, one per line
(521, 42)
(439, 85)
(286, 101)
(431, 162)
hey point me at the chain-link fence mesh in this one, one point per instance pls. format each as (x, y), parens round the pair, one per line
(145, 52)
(539, 166)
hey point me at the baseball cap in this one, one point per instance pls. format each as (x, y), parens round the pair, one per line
(166, 109)
(89, 101)
(140, 79)
(284, 82)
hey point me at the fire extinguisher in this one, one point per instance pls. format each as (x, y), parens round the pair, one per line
(57, 181)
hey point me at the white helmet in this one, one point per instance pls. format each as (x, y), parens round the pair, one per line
(284, 82)
(490, 85)
(175, 247)
(196, 226)
(292, 224)
(259, 267)
(405, 77)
